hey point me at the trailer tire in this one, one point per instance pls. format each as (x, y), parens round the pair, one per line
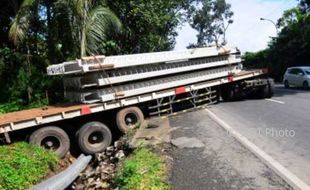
(267, 90)
(128, 118)
(227, 94)
(94, 137)
(52, 137)
(263, 92)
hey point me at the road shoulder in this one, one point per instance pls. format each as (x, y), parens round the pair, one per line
(221, 163)
(285, 174)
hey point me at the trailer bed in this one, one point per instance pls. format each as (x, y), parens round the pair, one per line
(39, 116)
(23, 115)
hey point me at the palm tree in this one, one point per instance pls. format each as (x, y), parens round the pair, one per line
(93, 23)
(89, 22)
(19, 30)
(20, 23)
(28, 14)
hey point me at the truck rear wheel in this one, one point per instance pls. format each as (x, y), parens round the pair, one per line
(231, 93)
(94, 137)
(267, 90)
(263, 92)
(52, 138)
(128, 118)
(271, 88)
(227, 94)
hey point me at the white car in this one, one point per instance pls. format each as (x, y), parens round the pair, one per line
(297, 76)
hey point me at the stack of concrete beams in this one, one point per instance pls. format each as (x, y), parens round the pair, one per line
(103, 79)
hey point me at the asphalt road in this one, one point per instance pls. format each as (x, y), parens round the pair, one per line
(280, 126)
(206, 157)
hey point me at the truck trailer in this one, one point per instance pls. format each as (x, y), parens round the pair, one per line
(125, 89)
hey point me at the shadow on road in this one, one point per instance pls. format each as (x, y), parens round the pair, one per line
(281, 91)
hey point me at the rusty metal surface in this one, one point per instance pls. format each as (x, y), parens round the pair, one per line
(37, 112)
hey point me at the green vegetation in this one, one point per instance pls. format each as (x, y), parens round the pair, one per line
(22, 165)
(10, 107)
(20, 105)
(292, 45)
(36, 33)
(143, 170)
(211, 22)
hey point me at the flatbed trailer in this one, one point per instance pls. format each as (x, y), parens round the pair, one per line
(124, 89)
(198, 94)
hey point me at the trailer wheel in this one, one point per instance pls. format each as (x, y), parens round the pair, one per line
(52, 138)
(128, 118)
(94, 137)
(263, 92)
(227, 94)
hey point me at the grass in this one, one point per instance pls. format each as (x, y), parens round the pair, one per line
(143, 170)
(23, 165)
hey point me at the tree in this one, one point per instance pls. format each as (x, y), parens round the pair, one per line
(211, 21)
(8, 9)
(304, 5)
(51, 31)
(27, 23)
(149, 25)
(91, 23)
(19, 31)
(292, 45)
(291, 17)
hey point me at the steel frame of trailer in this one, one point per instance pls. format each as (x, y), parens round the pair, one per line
(118, 103)
(195, 99)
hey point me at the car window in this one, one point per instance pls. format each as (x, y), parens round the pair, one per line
(290, 71)
(295, 71)
(300, 71)
(307, 72)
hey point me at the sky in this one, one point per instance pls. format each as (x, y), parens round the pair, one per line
(247, 32)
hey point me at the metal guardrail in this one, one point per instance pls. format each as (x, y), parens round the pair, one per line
(66, 177)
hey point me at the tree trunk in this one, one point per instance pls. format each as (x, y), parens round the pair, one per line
(83, 31)
(28, 71)
(83, 42)
(50, 40)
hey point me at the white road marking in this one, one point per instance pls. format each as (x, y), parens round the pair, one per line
(285, 174)
(276, 101)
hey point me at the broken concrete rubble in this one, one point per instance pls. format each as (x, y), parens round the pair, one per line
(100, 172)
